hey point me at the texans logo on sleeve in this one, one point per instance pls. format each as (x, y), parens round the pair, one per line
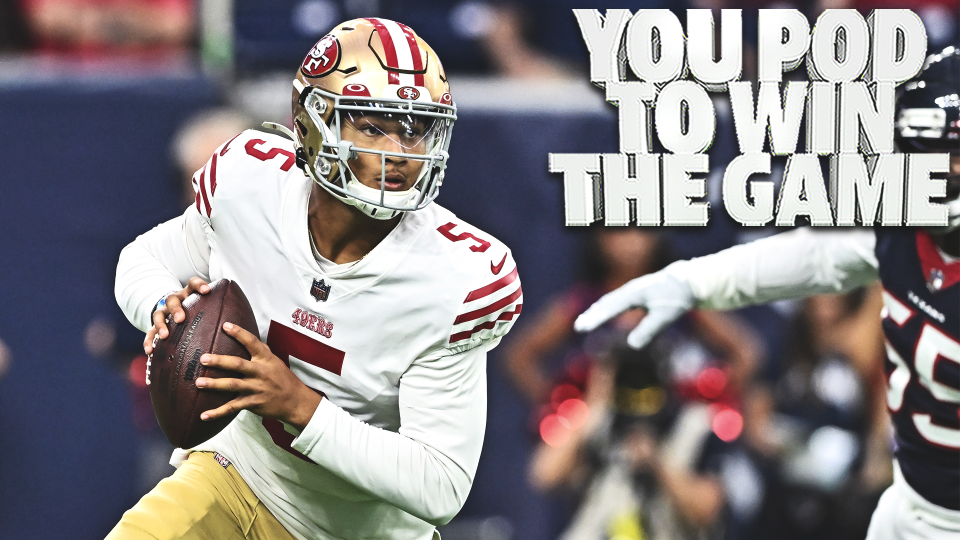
(323, 58)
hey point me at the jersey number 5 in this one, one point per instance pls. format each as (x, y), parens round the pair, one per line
(481, 244)
(932, 346)
(251, 148)
(286, 343)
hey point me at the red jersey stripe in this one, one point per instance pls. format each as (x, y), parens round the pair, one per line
(493, 287)
(388, 49)
(203, 194)
(930, 259)
(415, 53)
(213, 175)
(505, 316)
(198, 201)
(482, 312)
(227, 146)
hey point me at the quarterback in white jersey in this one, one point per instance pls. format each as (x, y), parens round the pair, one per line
(382, 303)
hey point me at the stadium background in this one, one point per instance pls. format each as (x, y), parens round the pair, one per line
(85, 142)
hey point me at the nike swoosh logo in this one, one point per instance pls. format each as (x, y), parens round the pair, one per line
(495, 268)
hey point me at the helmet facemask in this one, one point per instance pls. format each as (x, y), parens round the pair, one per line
(928, 121)
(417, 131)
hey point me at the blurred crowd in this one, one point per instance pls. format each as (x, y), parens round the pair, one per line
(714, 431)
(96, 26)
(512, 38)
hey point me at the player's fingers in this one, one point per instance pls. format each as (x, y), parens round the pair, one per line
(160, 322)
(174, 306)
(606, 308)
(197, 284)
(225, 384)
(232, 406)
(649, 327)
(229, 363)
(248, 340)
(150, 340)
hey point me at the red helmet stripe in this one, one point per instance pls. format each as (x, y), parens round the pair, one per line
(414, 52)
(388, 49)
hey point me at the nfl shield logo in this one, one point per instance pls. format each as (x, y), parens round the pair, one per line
(935, 280)
(319, 290)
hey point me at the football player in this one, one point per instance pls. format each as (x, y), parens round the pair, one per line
(364, 405)
(920, 273)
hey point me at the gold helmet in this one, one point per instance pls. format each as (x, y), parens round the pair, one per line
(381, 68)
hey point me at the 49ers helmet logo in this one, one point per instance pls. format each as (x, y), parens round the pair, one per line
(323, 58)
(408, 92)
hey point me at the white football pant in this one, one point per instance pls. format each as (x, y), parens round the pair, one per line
(902, 514)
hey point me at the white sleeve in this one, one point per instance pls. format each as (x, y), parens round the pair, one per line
(427, 468)
(790, 265)
(159, 261)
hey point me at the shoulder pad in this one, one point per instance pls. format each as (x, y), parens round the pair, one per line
(275, 153)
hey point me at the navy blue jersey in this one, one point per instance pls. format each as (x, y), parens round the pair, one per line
(921, 322)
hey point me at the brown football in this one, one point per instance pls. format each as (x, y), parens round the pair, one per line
(174, 366)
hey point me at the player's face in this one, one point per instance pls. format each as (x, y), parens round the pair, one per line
(391, 133)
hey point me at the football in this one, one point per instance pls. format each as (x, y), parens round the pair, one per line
(174, 366)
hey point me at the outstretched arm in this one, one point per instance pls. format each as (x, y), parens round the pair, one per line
(790, 265)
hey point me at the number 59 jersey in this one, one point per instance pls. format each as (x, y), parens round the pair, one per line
(394, 342)
(921, 323)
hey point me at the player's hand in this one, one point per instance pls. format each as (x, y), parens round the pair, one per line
(267, 387)
(664, 296)
(173, 305)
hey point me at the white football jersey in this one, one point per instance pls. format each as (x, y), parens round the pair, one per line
(395, 342)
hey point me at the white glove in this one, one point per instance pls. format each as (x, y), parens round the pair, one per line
(663, 295)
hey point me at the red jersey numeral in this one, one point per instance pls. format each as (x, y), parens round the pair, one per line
(286, 343)
(251, 148)
(482, 245)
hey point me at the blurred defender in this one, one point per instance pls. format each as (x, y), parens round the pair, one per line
(364, 404)
(920, 274)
